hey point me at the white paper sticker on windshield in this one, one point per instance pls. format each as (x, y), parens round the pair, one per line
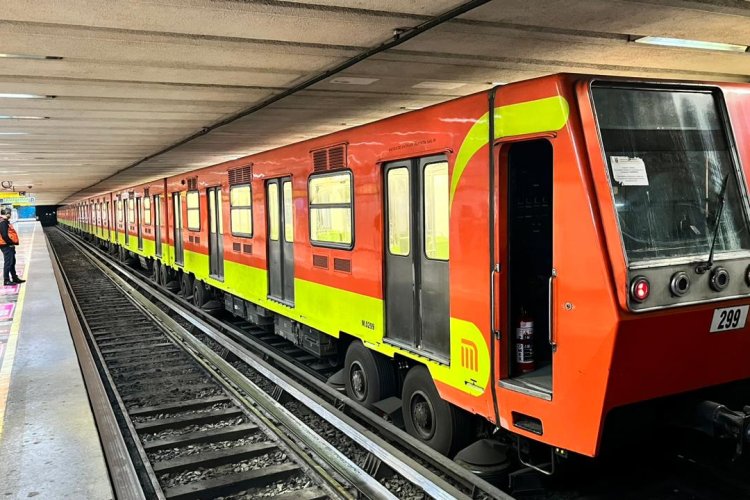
(629, 171)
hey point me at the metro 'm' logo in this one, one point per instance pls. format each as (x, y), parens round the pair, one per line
(469, 355)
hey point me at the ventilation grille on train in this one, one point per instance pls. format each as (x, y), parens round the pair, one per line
(343, 265)
(192, 184)
(329, 158)
(242, 175)
(320, 261)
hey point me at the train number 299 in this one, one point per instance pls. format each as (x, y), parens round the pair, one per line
(729, 318)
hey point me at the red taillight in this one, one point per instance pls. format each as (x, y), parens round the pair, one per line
(639, 288)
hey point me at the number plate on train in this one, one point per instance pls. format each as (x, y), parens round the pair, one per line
(729, 318)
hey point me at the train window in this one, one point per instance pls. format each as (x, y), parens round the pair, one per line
(131, 210)
(147, 211)
(273, 213)
(331, 209)
(193, 211)
(669, 157)
(241, 210)
(399, 211)
(288, 212)
(436, 210)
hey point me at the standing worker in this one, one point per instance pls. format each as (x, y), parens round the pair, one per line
(8, 242)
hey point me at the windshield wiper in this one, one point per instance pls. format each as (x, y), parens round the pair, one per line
(702, 268)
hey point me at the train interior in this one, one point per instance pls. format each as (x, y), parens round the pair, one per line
(530, 234)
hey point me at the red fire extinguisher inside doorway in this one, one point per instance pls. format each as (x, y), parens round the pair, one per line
(525, 343)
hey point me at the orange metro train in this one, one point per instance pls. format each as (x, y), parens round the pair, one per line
(608, 215)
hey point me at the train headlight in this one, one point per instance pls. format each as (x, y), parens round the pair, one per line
(719, 279)
(679, 284)
(639, 289)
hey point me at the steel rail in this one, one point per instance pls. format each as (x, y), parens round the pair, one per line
(215, 329)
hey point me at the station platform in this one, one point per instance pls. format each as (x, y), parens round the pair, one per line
(49, 444)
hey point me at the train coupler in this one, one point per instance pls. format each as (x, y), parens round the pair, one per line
(718, 421)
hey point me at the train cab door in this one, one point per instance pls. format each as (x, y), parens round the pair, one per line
(280, 224)
(416, 255)
(215, 234)
(157, 225)
(139, 221)
(525, 241)
(179, 248)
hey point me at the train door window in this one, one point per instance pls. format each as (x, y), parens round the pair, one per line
(157, 225)
(331, 209)
(139, 221)
(215, 234)
(280, 208)
(417, 291)
(147, 211)
(179, 248)
(193, 211)
(530, 269)
(241, 210)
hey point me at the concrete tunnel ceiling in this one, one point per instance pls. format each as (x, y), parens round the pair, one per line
(132, 78)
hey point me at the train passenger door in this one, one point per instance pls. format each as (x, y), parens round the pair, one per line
(126, 216)
(139, 221)
(107, 216)
(179, 249)
(416, 255)
(215, 234)
(157, 225)
(526, 185)
(280, 224)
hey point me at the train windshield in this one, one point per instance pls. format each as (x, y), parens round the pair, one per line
(668, 157)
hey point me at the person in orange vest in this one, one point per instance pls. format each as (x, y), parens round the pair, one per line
(8, 242)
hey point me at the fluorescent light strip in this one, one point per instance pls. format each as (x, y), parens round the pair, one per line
(12, 133)
(9, 117)
(30, 56)
(23, 96)
(690, 44)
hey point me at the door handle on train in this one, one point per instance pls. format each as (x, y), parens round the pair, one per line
(493, 294)
(550, 323)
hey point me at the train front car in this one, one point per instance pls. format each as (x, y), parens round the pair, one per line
(623, 240)
(667, 165)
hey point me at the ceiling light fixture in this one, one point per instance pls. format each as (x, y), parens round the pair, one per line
(12, 133)
(438, 85)
(689, 44)
(30, 56)
(14, 117)
(25, 96)
(351, 80)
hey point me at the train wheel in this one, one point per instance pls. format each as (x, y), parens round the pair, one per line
(186, 286)
(164, 276)
(370, 376)
(199, 293)
(430, 418)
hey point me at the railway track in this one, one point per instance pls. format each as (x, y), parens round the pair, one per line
(209, 418)
(664, 473)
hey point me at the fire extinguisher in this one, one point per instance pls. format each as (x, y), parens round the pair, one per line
(525, 343)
